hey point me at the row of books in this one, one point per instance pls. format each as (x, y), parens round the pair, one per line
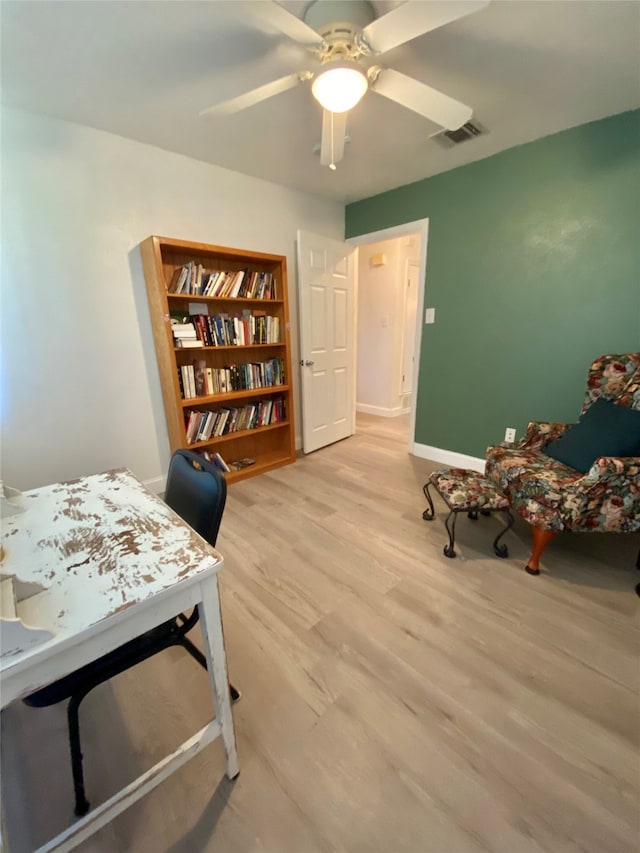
(194, 280)
(213, 330)
(203, 425)
(219, 462)
(200, 380)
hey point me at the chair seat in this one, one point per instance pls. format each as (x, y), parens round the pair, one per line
(548, 478)
(539, 486)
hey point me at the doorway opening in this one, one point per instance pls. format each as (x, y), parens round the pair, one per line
(391, 273)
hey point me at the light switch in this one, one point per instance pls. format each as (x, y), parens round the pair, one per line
(430, 315)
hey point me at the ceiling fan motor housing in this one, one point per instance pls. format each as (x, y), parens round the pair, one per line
(338, 22)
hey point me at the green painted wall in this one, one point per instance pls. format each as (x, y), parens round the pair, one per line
(533, 267)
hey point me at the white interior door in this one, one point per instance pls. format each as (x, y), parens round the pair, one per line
(409, 330)
(326, 284)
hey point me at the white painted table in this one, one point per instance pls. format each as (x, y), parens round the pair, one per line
(115, 561)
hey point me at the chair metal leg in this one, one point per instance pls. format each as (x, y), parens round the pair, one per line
(82, 804)
(195, 653)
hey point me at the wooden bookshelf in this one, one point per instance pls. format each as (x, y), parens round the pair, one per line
(272, 444)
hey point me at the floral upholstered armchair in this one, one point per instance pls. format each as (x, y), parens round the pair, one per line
(599, 494)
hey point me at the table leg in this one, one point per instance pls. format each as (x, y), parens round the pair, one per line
(211, 622)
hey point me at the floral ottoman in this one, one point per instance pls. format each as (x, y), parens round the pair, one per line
(464, 490)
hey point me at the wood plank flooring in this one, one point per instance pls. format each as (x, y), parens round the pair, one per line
(393, 700)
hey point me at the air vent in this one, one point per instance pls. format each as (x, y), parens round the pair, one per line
(450, 138)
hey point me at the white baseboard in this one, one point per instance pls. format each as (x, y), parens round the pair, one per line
(157, 485)
(448, 457)
(382, 413)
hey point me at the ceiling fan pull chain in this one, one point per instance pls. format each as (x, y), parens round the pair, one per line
(332, 165)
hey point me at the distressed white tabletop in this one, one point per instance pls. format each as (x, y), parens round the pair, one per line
(99, 545)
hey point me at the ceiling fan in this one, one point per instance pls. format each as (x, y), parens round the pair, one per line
(343, 36)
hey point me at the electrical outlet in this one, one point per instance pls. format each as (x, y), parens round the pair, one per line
(510, 434)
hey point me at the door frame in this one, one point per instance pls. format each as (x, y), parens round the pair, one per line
(421, 227)
(406, 333)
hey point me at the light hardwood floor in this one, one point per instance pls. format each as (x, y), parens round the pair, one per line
(393, 700)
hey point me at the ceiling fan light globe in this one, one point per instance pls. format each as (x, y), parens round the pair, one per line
(339, 89)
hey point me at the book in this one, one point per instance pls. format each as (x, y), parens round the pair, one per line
(197, 279)
(178, 279)
(211, 284)
(221, 421)
(191, 380)
(186, 384)
(187, 342)
(175, 278)
(216, 460)
(237, 282)
(183, 330)
(199, 372)
(209, 387)
(221, 462)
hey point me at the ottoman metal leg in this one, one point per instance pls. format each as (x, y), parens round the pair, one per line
(428, 514)
(502, 550)
(448, 549)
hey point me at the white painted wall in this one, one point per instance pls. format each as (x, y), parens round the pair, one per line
(80, 386)
(380, 324)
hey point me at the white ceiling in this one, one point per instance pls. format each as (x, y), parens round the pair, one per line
(144, 70)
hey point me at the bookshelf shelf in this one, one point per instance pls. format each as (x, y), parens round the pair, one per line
(266, 462)
(230, 436)
(185, 297)
(229, 347)
(230, 396)
(270, 445)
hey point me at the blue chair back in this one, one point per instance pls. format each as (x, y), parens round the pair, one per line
(197, 491)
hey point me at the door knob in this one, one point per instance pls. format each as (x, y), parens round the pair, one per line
(309, 363)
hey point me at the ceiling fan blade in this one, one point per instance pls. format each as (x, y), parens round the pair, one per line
(421, 98)
(284, 21)
(248, 99)
(413, 19)
(334, 126)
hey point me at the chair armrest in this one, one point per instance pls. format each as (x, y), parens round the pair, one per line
(540, 433)
(607, 497)
(613, 468)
